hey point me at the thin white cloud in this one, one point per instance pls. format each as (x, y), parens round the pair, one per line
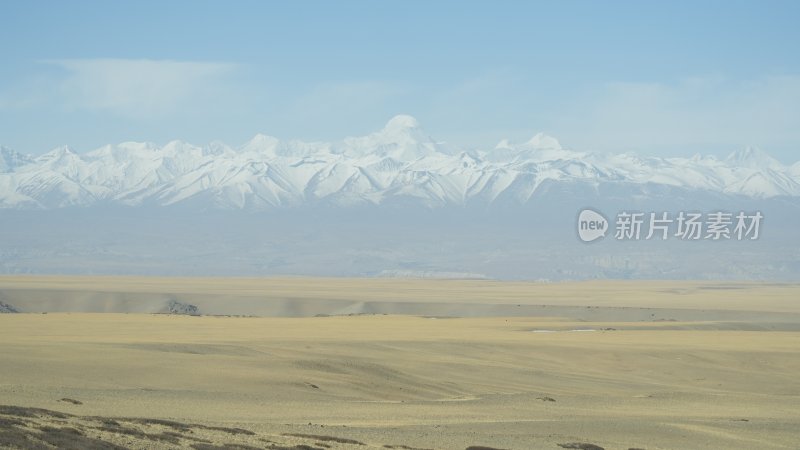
(334, 107)
(336, 98)
(711, 112)
(136, 88)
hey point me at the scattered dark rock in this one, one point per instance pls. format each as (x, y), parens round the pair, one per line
(18, 429)
(481, 447)
(166, 423)
(17, 438)
(202, 446)
(405, 447)
(71, 400)
(128, 431)
(67, 430)
(166, 436)
(22, 411)
(228, 430)
(67, 439)
(6, 422)
(296, 447)
(183, 436)
(325, 438)
(546, 399)
(581, 446)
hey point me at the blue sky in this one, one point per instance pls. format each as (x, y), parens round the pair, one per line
(660, 78)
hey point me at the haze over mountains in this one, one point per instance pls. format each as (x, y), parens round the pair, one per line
(393, 203)
(399, 164)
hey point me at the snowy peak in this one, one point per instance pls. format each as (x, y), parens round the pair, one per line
(541, 147)
(541, 141)
(177, 147)
(753, 158)
(403, 129)
(401, 138)
(218, 148)
(121, 154)
(261, 144)
(63, 151)
(61, 157)
(399, 163)
(401, 123)
(505, 143)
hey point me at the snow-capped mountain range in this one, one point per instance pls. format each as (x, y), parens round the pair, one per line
(400, 162)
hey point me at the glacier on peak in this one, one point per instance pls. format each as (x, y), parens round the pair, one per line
(401, 138)
(541, 141)
(539, 148)
(58, 153)
(754, 158)
(261, 144)
(401, 122)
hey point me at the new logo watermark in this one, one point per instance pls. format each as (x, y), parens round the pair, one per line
(591, 225)
(688, 226)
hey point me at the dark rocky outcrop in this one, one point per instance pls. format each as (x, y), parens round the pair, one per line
(5, 308)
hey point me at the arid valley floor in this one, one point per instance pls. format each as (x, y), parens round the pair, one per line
(305, 363)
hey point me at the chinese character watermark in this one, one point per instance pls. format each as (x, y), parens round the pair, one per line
(683, 225)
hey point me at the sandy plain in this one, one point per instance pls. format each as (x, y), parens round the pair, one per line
(384, 363)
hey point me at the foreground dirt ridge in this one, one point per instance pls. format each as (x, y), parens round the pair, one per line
(38, 428)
